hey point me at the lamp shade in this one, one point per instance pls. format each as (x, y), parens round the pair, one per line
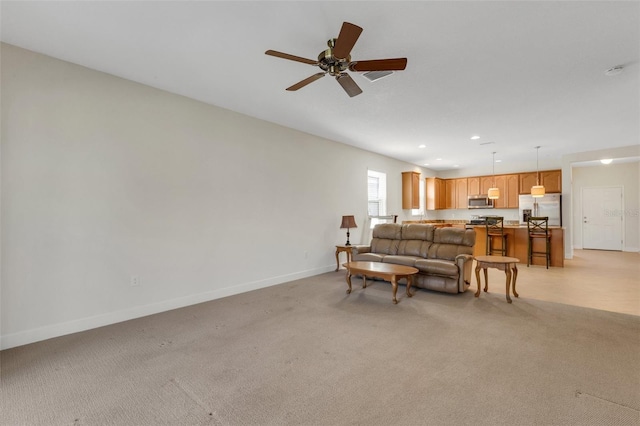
(493, 193)
(348, 222)
(537, 191)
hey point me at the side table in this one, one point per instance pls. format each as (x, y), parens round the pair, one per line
(340, 249)
(503, 263)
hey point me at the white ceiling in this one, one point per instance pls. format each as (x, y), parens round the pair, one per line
(518, 74)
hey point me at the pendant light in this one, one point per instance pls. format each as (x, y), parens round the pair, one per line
(537, 191)
(494, 192)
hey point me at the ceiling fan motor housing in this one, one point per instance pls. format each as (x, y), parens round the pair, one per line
(329, 63)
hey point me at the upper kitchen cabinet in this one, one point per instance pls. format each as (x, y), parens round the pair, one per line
(473, 185)
(550, 179)
(436, 193)
(410, 190)
(527, 180)
(486, 182)
(450, 194)
(461, 193)
(508, 185)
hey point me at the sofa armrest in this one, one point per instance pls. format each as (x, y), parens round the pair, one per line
(464, 262)
(462, 258)
(360, 249)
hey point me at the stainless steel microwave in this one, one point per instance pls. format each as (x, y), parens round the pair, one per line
(481, 201)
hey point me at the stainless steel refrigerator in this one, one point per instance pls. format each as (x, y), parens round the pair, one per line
(550, 205)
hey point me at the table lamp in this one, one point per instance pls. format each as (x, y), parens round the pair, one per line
(348, 222)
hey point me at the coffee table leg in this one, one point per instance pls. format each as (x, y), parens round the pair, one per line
(478, 279)
(515, 277)
(507, 272)
(394, 284)
(409, 283)
(349, 280)
(364, 281)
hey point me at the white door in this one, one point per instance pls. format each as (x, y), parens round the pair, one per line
(602, 218)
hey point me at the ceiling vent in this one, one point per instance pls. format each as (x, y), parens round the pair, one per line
(376, 75)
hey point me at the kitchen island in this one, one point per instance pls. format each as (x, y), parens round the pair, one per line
(518, 244)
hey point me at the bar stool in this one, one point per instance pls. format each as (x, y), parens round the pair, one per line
(538, 228)
(495, 231)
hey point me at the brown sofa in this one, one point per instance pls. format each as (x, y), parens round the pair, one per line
(444, 256)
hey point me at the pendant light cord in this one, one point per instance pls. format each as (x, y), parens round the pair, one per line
(537, 167)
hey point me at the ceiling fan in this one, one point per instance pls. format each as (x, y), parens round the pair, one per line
(337, 59)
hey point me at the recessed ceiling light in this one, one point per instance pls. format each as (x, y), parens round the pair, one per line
(606, 161)
(498, 161)
(474, 137)
(422, 146)
(438, 159)
(614, 71)
(426, 164)
(456, 165)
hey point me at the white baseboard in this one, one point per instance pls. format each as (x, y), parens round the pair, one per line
(631, 249)
(56, 330)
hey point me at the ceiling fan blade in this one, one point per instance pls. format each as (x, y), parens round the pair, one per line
(290, 57)
(347, 38)
(396, 64)
(306, 81)
(348, 85)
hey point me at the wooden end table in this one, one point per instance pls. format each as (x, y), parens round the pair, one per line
(386, 271)
(340, 249)
(503, 263)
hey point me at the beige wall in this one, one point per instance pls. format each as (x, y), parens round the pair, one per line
(104, 179)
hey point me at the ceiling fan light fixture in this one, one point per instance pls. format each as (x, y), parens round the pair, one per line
(376, 75)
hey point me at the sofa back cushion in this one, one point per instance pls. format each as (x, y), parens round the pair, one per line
(450, 242)
(416, 239)
(417, 231)
(386, 238)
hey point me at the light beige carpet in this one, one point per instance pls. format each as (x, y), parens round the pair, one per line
(306, 353)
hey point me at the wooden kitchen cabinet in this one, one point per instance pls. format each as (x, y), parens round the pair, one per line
(486, 182)
(450, 194)
(512, 191)
(410, 190)
(508, 185)
(527, 180)
(436, 193)
(473, 185)
(461, 193)
(550, 179)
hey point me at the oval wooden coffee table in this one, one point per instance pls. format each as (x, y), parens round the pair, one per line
(386, 271)
(503, 263)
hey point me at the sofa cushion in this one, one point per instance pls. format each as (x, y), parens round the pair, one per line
(450, 242)
(388, 231)
(437, 267)
(368, 257)
(414, 248)
(416, 231)
(384, 246)
(401, 260)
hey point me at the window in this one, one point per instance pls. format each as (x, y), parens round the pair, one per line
(376, 195)
(420, 211)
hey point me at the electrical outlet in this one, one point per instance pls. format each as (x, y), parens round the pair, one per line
(135, 281)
